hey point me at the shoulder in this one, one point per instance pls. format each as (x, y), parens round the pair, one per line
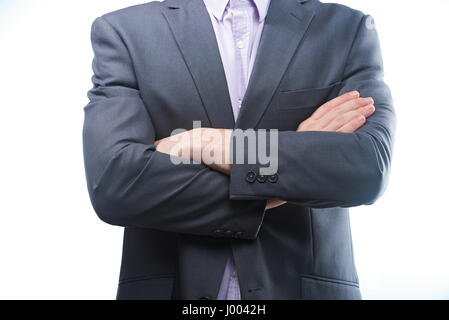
(133, 19)
(134, 13)
(334, 12)
(336, 19)
(333, 8)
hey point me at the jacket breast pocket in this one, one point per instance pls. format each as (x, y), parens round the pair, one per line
(307, 98)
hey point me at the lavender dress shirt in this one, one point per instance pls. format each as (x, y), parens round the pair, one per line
(238, 26)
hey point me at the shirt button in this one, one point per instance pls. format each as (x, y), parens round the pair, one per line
(234, 274)
(240, 44)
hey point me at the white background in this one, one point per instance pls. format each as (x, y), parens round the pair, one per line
(52, 245)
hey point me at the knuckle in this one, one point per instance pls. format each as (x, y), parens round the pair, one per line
(359, 102)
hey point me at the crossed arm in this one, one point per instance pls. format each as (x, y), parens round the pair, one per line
(346, 113)
(339, 157)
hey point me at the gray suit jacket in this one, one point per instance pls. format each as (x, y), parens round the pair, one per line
(157, 68)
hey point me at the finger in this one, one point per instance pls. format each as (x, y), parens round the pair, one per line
(344, 108)
(325, 108)
(353, 125)
(343, 119)
(354, 104)
(367, 111)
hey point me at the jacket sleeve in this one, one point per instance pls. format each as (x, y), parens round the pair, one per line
(130, 183)
(328, 169)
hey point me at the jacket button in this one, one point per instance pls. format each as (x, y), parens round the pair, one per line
(262, 179)
(274, 178)
(239, 235)
(205, 298)
(229, 233)
(251, 177)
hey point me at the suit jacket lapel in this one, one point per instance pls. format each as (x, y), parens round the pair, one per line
(192, 28)
(285, 26)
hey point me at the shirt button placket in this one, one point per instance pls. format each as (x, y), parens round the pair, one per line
(241, 38)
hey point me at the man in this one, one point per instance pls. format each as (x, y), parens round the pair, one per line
(219, 229)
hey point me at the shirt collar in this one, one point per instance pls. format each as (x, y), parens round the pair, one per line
(218, 7)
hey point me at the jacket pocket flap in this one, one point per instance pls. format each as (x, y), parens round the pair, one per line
(308, 98)
(321, 289)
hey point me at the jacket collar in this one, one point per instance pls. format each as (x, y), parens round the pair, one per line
(286, 25)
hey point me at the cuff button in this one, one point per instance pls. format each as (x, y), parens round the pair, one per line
(251, 177)
(274, 178)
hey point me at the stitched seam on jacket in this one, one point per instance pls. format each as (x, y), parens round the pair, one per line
(352, 46)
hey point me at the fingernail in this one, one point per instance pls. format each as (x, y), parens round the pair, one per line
(369, 108)
(355, 93)
(361, 119)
